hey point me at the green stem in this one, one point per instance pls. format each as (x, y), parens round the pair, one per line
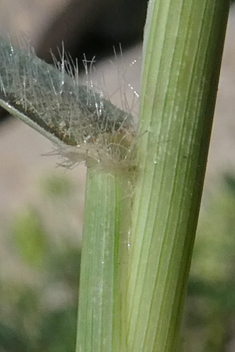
(103, 265)
(182, 56)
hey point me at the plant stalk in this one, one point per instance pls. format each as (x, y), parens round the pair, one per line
(183, 47)
(102, 308)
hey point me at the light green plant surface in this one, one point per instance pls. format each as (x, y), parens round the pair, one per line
(102, 311)
(182, 54)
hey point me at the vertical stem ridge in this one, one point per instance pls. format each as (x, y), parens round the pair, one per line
(182, 55)
(101, 313)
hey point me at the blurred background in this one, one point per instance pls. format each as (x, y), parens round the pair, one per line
(41, 205)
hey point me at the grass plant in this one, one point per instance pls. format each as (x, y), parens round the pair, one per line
(143, 187)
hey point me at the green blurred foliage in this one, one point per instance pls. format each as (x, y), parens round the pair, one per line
(210, 306)
(39, 314)
(30, 236)
(38, 303)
